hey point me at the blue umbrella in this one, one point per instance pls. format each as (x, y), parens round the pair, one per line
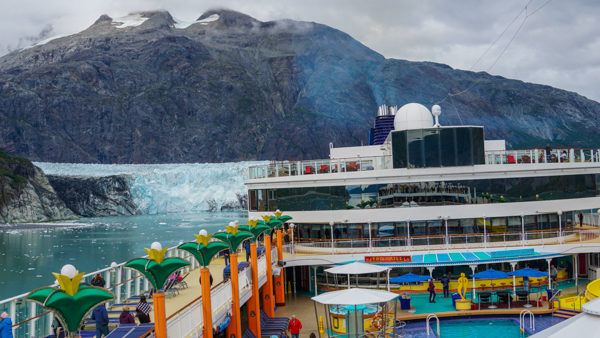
(528, 272)
(490, 274)
(409, 278)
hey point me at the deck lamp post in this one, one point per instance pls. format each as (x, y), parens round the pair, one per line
(559, 213)
(523, 229)
(484, 232)
(157, 269)
(254, 309)
(233, 237)
(71, 301)
(446, 226)
(292, 227)
(331, 223)
(204, 248)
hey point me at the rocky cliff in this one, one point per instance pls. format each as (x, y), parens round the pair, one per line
(95, 196)
(26, 195)
(227, 87)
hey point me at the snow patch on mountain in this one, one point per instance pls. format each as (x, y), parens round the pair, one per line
(131, 20)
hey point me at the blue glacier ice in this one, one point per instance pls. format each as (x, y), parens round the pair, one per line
(168, 188)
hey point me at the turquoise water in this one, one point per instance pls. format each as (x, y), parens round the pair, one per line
(493, 328)
(28, 256)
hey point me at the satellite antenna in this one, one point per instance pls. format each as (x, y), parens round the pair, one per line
(436, 111)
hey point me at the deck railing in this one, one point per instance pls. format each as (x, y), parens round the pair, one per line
(343, 165)
(30, 319)
(442, 242)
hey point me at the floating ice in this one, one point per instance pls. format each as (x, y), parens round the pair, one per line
(165, 188)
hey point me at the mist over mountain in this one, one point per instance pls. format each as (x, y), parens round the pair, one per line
(227, 87)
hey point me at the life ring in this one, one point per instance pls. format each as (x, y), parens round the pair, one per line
(377, 321)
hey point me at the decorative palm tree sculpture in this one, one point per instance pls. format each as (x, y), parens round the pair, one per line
(157, 269)
(234, 238)
(203, 249)
(70, 301)
(254, 314)
(268, 295)
(278, 220)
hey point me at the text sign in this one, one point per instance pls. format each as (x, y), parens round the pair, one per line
(388, 259)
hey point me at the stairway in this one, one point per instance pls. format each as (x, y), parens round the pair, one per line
(565, 313)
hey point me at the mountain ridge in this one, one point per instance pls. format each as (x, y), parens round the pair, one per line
(228, 87)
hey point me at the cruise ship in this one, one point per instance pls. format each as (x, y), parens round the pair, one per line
(429, 231)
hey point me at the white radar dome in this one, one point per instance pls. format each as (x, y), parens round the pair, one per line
(413, 116)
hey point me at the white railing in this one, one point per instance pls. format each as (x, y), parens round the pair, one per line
(441, 242)
(329, 166)
(30, 319)
(324, 166)
(188, 323)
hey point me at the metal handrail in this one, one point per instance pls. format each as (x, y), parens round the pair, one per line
(429, 316)
(522, 320)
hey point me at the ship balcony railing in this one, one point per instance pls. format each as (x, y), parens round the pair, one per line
(452, 241)
(332, 166)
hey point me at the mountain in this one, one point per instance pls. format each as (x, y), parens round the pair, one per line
(26, 195)
(227, 87)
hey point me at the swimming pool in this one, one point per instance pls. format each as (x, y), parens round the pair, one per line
(484, 328)
(489, 328)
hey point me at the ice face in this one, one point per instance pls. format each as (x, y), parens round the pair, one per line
(166, 188)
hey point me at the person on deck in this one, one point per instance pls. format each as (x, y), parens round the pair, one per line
(431, 289)
(580, 216)
(100, 315)
(446, 285)
(6, 324)
(98, 281)
(294, 327)
(143, 311)
(126, 317)
(247, 248)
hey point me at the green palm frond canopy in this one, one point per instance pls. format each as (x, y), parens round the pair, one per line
(156, 268)
(255, 228)
(71, 302)
(203, 249)
(276, 220)
(233, 236)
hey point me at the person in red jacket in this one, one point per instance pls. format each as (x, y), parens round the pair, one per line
(294, 327)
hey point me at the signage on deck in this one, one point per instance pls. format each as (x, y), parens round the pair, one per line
(388, 259)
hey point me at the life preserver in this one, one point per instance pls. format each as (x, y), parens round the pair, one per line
(377, 321)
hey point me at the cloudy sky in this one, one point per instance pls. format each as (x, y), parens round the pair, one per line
(558, 42)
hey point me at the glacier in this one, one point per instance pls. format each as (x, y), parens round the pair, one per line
(169, 188)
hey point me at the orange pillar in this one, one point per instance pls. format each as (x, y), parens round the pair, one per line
(268, 299)
(280, 280)
(254, 301)
(206, 303)
(235, 327)
(160, 315)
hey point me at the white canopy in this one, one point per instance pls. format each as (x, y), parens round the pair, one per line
(355, 297)
(356, 268)
(583, 325)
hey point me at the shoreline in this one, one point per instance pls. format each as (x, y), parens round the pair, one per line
(42, 225)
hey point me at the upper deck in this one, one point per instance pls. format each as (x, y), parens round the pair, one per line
(328, 168)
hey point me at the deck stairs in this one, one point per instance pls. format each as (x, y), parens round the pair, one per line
(565, 313)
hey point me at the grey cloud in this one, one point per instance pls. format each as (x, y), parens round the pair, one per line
(558, 45)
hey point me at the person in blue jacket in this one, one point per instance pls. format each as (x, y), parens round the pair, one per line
(100, 315)
(5, 326)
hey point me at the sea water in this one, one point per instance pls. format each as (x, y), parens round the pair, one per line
(28, 256)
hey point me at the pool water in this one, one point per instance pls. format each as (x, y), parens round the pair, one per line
(367, 309)
(488, 328)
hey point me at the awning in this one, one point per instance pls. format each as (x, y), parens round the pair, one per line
(355, 297)
(356, 268)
